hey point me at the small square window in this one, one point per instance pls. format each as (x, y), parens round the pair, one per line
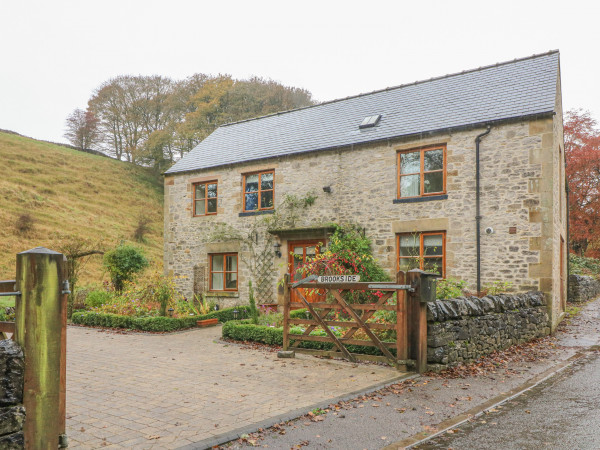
(370, 121)
(422, 172)
(205, 198)
(223, 272)
(259, 191)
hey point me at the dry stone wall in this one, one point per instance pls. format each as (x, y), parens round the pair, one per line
(464, 329)
(583, 288)
(12, 412)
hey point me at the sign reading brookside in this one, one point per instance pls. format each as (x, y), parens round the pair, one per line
(339, 279)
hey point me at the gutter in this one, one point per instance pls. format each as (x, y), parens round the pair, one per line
(477, 204)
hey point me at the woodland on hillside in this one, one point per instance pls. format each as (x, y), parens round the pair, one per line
(154, 120)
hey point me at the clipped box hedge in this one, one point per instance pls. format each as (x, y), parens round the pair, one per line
(243, 330)
(95, 319)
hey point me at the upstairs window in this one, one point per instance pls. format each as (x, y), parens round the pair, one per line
(425, 251)
(223, 272)
(205, 198)
(422, 172)
(259, 191)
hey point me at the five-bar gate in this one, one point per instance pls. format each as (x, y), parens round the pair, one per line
(413, 289)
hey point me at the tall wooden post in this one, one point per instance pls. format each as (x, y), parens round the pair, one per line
(417, 333)
(401, 319)
(41, 318)
(286, 311)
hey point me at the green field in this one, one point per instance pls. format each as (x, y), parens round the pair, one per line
(7, 301)
(70, 193)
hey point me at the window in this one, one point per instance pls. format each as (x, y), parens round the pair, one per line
(422, 172)
(205, 198)
(259, 191)
(223, 272)
(425, 251)
(370, 121)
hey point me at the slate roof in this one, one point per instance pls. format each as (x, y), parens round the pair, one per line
(519, 88)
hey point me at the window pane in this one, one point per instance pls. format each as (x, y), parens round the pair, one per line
(433, 265)
(251, 202)
(217, 263)
(434, 160)
(266, 181)
(409, 245)
(266, 199)
(409, 263)
(252, 183)
(434, 182)
(211, 205)
(217, 281)
(212, 190)
(311, 252)
(200, 191)
(200, 208)
(231, 263)
(409, 186)
(410, 162)
(231, 281)
(433, 245)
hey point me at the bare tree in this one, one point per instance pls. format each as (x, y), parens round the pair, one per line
(82, 129)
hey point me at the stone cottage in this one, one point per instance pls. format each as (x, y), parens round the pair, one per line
(463, 173)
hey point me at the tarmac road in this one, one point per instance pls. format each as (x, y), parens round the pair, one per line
(561, 413)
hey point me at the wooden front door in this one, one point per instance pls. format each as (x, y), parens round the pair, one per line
(299, 252)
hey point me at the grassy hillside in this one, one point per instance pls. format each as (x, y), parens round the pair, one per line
(70, 193)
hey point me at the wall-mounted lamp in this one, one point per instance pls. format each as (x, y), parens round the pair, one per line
(277, 248)
(327, 189)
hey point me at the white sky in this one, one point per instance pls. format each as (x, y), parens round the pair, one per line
(53, 54)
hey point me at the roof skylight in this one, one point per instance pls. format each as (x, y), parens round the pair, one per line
(370, 121)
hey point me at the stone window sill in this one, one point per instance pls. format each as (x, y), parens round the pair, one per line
(421, 199)
(256, 213)
(222, 294)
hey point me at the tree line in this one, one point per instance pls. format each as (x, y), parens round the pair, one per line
(155, 120)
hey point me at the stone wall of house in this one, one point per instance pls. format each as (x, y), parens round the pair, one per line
(363, 181)
(12, 412)
(465, 329)
(583, 288)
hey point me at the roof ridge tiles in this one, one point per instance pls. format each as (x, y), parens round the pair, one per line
(389, 88)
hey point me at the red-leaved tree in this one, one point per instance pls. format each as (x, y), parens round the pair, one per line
(582, 151)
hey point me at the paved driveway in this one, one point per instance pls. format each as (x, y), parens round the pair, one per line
(169, 391)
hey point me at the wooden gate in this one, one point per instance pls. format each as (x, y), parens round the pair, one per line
(40, 328)
(411, 318)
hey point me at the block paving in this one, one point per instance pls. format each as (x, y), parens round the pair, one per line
(134, 390)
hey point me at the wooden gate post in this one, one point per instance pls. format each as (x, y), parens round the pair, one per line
(418, 322)
(286, 311)
(41, 318)
(401, 319)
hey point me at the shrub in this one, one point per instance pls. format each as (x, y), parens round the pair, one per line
(142, 228)
(91, 318)
(450, 288)
(253, 308)
(497, 287)
(24, 223)
(580, 265)
(245, 331)
(95, 299)
(348, 252)
(123, 263)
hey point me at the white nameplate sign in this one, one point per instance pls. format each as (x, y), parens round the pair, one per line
(339, 279)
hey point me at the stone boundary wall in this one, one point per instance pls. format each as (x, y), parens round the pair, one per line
(12, 412)
(464, 329)
(583, 288)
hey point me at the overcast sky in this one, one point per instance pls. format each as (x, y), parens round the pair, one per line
(55, 53)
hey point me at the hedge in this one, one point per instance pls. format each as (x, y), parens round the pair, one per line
(91, 318)
(243, 330)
